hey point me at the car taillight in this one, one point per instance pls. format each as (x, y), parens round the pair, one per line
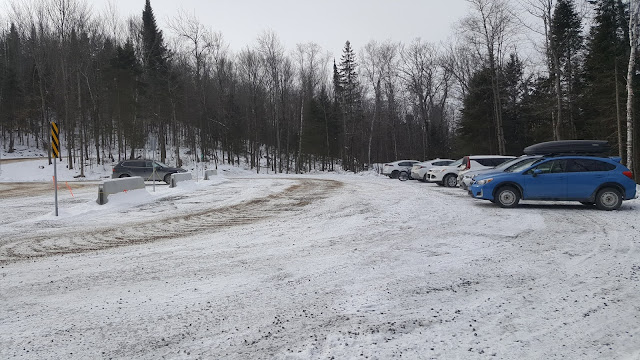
(113, 169)
(628, 174)
(468, 164)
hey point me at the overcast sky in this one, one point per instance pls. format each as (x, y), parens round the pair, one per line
(327, 22)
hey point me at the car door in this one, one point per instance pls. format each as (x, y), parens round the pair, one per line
(148, 170)
(547, 180)
(584, 176)
(136, 168)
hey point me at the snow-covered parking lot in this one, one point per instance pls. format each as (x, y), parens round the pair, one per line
(325, 266)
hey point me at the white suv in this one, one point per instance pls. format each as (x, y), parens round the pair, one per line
(445, 175)
(419, 170)
(394, 169)
(466, 178)
(448, 175)
(480, 162)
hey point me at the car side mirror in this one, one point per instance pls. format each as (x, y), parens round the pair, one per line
(536, 172)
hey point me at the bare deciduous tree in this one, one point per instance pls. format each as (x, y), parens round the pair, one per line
(488, 28)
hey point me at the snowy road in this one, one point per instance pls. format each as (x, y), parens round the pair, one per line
(316, 267)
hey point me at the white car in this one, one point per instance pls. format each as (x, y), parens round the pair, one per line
(466, 178)
(480, 162)
(419, 170)
(448, 175)
(445, 175)
(394, 169)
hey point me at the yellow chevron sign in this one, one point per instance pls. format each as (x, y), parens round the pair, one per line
(55, 140)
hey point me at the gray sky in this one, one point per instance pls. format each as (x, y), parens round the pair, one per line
(327, 22)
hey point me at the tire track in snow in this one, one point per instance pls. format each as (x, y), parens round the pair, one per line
(61, 241)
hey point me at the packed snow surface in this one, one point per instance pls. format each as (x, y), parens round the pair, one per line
(312, 266)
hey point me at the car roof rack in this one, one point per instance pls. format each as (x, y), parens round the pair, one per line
(597, 148)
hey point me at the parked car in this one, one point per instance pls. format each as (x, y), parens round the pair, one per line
(445, 175)
(449, 176)
(465, 178)
(145, 169)
(419, 170)
(394, 169)
(590, 180)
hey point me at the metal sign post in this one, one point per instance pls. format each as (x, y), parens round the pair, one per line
(55, 146)
(153, 175)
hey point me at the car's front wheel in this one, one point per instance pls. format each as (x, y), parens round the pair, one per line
(394, 174)
(450, 181)
(124, 175)
(403, 176)
(424, 178)
(167, 178)
(507, 197)
(608, 199)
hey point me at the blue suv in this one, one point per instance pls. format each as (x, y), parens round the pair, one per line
(590, 180)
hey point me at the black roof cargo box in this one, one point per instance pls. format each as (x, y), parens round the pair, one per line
(570, 147)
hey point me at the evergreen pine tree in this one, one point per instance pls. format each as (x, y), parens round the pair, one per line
(513, 91)
(604, 73)
(350, 104)
(11, 95)
(566, 27)
(155, 76)
(475, 134)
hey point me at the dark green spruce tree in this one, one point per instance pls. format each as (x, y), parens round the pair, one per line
(11, 94)
(604, 74)
(349, 99)
(477, 128)
(513, 90)
(155, 76)
(566, 27)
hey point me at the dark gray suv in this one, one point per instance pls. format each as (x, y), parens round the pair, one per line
(145, 169)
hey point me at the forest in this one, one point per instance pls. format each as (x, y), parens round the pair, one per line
(515, 73)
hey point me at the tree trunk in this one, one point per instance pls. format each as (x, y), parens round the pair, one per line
(618, 112)
(633, 35)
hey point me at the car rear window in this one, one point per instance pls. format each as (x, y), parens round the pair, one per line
(500, 161)
(486, 162)
(588, 165)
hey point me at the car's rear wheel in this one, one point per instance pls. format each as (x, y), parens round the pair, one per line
(167, 178)
(394, 174)
(403, 176)
(125, 175)
(608, 199)
(450, 181)
(507, 197)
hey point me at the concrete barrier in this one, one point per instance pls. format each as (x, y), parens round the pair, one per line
(177, 177)
(115, 186)
(208, 173)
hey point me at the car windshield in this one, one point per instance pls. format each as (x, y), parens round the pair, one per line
(522, 165)
(507, 164)
(159, 164)
(457, 162)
